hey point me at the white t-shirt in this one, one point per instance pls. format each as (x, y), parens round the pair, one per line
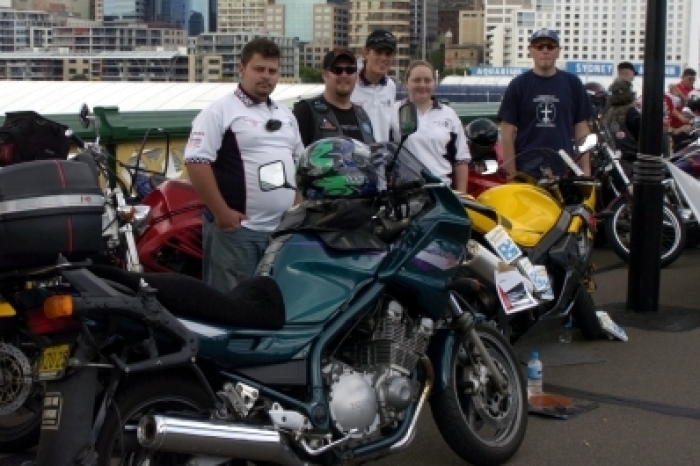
(247, 147)
(378, 101)
(439, 141)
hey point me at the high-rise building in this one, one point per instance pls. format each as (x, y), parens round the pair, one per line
(395, 16)
(330, 30)
(299, 15)
(191, 15)
(102, 38)
(448, 15)
(21, 30)
(423, 11)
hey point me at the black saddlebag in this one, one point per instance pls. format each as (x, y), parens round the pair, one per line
(47, 208)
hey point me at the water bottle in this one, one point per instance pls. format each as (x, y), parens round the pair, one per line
(566, 330)
(534, 375)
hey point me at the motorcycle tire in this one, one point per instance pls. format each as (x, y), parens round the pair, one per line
(618, 228)
(21, 401)
(460, 411)
(153, 393)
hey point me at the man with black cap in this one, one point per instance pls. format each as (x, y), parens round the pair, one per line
(375, 90)
(332, 113)
(626, 71)
(544, 107)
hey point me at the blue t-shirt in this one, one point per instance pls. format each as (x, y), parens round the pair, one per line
(544, 111)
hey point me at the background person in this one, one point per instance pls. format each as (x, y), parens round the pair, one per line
(543, 108)
(439, 143)
(626, 71)
(623, 121)
(230, 140)
(375, 91)
(332, 113)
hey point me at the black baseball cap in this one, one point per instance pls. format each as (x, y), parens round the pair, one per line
(330, 58)
(381, 39)
(625, 65)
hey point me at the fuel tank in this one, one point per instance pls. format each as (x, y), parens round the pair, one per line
(527, 212)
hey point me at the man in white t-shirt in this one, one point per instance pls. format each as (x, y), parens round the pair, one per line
(375, 91)
(230, 140)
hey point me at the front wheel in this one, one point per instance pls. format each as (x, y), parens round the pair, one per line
(618, 227)
(480, 424)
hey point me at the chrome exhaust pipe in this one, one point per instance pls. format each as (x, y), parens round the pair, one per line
(481, 261)
(215, 438)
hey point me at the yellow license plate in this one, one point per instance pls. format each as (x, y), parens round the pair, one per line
(53, 362)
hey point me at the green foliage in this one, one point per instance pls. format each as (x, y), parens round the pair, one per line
(437, 59)
(310, 75)
(78, 77)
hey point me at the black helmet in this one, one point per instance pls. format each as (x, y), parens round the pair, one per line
(482, 135)
(597, 94)
(337, 167)
(694, 103)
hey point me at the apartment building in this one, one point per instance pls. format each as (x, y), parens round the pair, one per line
(591, 31)
(21, 30)
(241, 15)
(330, 30)
(94, 39)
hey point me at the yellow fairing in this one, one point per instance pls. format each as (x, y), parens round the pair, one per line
(6, 310)
(530, 210)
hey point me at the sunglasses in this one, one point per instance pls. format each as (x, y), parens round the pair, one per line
(338, 70)
(548, 46)
(273, 125)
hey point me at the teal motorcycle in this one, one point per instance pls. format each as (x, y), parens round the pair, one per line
(354, 320)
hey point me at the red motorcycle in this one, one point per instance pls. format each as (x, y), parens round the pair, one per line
(172, 239)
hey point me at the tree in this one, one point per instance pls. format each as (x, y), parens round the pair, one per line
(310, 75)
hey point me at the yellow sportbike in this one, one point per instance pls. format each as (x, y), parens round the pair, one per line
(541, 231)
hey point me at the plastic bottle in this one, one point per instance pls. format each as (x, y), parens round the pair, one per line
(566, 330)
(534, 375)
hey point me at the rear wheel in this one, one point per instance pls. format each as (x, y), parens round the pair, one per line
(618, 227)
(117, 442)
(480, 424)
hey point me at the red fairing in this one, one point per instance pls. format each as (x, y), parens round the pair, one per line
(172, 242)
(479, 182)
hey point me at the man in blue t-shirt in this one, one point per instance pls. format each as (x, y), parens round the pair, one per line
(543, 108)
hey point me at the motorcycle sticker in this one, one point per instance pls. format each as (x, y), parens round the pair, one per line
(503, 244)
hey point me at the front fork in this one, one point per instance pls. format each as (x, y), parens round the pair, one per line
(464, 323)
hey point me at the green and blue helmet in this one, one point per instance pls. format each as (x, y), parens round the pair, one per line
(337, 167)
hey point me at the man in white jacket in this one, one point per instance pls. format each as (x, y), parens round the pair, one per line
(375, 91)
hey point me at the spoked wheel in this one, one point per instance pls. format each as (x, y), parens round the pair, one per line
(117, 442)
(20, 401)
(618, 227)
(479, 423)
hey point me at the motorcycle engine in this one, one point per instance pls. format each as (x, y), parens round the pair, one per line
(373, 387)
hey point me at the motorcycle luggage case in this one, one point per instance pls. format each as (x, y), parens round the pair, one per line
(47, 208)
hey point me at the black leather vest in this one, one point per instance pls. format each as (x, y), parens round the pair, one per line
(322, 111)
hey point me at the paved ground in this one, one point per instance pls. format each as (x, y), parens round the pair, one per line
(647, 389)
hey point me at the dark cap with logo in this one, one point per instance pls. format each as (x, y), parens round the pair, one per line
(545, 33)
(330, 58)
(381, 39)
(625, 65)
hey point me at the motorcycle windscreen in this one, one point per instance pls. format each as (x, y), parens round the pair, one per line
(529, 211)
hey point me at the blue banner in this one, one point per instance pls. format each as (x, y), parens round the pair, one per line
(592, 68)
(497, 70)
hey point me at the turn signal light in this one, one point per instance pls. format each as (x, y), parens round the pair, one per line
(58, 306)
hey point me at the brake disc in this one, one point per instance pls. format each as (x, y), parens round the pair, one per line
(16, 382)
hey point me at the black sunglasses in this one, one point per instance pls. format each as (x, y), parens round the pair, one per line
(273, 125)
(549, 46)
(338, 70)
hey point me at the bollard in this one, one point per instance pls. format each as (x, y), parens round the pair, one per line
(645, 236)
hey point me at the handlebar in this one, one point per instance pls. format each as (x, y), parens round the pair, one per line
(70, 134)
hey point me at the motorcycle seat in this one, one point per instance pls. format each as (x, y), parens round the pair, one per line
(255, 303)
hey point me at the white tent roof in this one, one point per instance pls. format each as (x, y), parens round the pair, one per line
(65, 97)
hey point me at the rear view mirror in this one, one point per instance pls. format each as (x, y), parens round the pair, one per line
(408, 119)
(84, 116)
(272, 176)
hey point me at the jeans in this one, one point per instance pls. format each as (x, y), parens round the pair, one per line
(230, 256)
